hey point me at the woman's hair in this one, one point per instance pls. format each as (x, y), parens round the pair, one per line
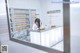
(38, 21)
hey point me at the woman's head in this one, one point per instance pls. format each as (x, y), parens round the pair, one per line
(37, 22)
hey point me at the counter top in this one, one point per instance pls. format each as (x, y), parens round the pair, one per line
(47, 29)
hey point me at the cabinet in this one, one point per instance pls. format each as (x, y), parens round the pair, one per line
(47, 38)
(35, 38)
(51, 37)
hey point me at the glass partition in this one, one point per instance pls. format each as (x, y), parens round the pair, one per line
(37, 22)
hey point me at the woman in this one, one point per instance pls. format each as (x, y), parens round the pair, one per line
(37, 24)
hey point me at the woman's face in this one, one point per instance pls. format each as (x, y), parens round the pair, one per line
(36, 23)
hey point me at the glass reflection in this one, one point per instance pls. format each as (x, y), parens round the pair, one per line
(36, 22)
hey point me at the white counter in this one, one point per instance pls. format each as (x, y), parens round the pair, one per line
(47, 37)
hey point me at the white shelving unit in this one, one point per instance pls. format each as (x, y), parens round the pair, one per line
(21, 20)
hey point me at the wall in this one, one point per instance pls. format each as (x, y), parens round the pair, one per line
(25, 4)
(75, 28)
(3, 21)
(3, 18)
(47, 5)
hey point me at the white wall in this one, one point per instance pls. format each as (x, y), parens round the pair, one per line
(47, 5)
(25, 4)
(3, 18)
(75, 28)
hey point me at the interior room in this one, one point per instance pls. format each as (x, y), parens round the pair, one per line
(38, 22)
(22, 16)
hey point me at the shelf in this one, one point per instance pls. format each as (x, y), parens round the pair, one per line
(20, 14)
(21, 19)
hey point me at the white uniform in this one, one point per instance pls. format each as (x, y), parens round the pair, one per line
(35, 27)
